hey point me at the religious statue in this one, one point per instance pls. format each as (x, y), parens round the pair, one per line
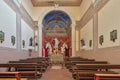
(56, 43)
(49, 47)
(31, 41)
(64, 46)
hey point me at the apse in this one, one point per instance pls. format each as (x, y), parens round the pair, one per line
(56, 33)
(56, 23)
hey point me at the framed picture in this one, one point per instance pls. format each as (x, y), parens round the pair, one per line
(23, 43)
(13, 40)
(31, 41)
(101, 39)
(90, 43)
(2, 36)
(113, 35)
(82, 42)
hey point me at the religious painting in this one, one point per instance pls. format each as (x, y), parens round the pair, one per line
(31, 41)
(13, 40)
(2, 36)
(113, 35)
(101, 39)
(82, 42)
(90, 43)
(23, 43)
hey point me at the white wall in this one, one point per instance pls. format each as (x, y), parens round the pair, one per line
(26, 33)
(86, 33)
(7, 24)
(28, 6)
(8, 52)
(109, 20)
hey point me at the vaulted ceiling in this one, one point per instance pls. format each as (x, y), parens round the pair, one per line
(40, 3)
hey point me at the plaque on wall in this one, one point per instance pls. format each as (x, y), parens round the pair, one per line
(82, 42)
(2, 36)
(31, 41)
(23, 43)
(13, 40)
(101, 39)
(90, 43)
(113, 35)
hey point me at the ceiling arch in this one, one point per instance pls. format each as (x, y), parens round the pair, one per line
(57, 18)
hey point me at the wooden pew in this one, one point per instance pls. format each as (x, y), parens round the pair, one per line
(72, 63)
(17, 75)
(68, 63)
(43, 65)
(89, 75)
(98, 66)
(32, 71)
(42, 60)
(107, 76)
(79, 68)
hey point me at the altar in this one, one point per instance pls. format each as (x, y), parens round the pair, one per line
(57, 59)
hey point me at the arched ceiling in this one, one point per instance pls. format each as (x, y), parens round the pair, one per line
(57, 21)
(57, 16)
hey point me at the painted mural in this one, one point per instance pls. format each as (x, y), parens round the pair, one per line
(56, 33)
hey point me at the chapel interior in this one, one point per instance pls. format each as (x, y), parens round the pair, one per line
(59, 40)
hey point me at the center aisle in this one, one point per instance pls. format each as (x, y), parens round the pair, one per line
(57, 74)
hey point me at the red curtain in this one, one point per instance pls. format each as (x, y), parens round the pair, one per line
(44, 52)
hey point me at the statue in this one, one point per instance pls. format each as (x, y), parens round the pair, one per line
(31, 41)
(48, 46)
(56, 43)
(64, 46)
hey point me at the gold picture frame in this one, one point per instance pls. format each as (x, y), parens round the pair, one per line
(2, 36)
(101, 39)
(113, 35)
(13, 40)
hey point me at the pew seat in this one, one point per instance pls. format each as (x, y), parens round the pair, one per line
(16, 75)
(22, 74)
(13, 79)
(31, 73)
(107, 76)
(90, 74)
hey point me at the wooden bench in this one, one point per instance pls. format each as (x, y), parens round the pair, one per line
(79, 68)
(107, 76)
(96, 66)
(90, 74)
(42, 68)
(17, 75)
(76, 59)
(72, 63)
(33, 67)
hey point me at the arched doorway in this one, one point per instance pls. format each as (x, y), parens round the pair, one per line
(56, 33)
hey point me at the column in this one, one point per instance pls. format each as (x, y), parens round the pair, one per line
(95, 32)
(40, 40)
(18, 31)
(73, 40)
